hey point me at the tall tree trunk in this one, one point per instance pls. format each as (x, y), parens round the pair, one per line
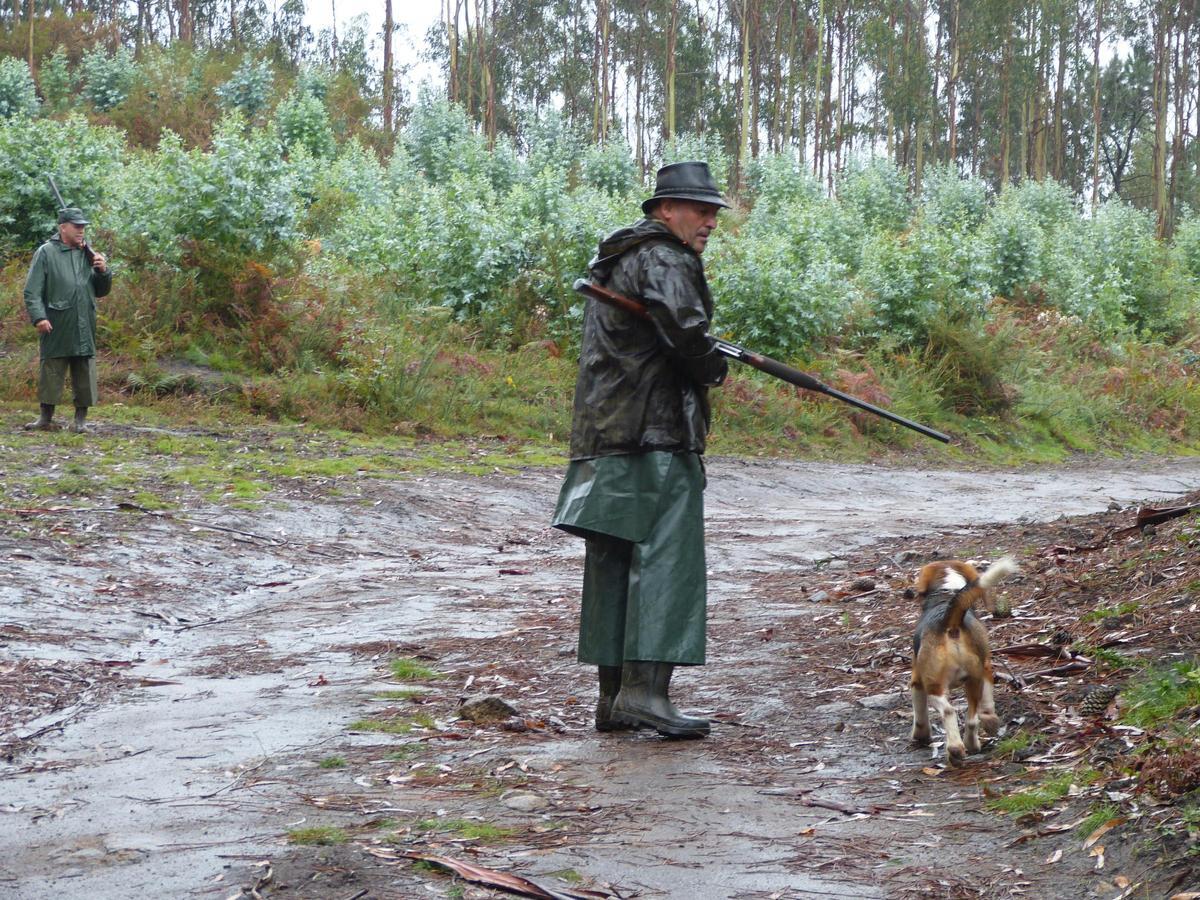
(487, 86)
(1096, 107)
(817, 90)
(826, 106)
(1158, 174)
(1005, 110)
(389, 74)
(739, 174)
(29, 7)
(185, 22)
(669, 123)
(789, 97)
(1183, 73)
(451, 13)
(1058, 155)
(952, 83)
(333, 17)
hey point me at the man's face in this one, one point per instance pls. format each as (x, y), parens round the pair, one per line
(689, 220)
(71, 234)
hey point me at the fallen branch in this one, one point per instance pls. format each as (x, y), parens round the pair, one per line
(514, 884)
(1079, 664)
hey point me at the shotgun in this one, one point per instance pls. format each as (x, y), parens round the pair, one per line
(760, 362)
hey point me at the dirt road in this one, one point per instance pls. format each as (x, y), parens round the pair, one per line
(192, 698)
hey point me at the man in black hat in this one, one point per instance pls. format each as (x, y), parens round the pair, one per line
(634, 487)
(64, 280)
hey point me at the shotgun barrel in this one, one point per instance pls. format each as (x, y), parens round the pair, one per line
(760, 362)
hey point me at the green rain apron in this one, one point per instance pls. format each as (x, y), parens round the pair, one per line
(644, 584)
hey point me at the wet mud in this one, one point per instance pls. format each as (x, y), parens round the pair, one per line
(183, 698)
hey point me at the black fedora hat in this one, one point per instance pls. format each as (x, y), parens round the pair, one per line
(685, 181)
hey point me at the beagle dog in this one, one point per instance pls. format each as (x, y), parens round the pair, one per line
(950, 647)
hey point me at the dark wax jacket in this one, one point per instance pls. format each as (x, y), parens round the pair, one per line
(62, 288)
(643, 385)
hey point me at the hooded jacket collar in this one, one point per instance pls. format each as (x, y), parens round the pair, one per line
(623, 240)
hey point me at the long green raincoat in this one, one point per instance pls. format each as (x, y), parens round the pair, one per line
(62, 288)
(634, 487)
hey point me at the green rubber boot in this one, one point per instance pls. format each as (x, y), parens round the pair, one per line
(610, 686)
(45, 420)
(644, 702)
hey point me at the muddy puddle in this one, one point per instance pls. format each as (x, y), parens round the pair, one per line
(186, 690)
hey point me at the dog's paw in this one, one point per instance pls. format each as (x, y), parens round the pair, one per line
(920, 738)
(990, 723)
(955, 755)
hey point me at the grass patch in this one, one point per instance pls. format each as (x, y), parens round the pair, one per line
(1100, 613)
(396, 726)
(1159, 695)
(333, 762)
(1040, 796)
(1110, 658)
(1012, 744)
(570, 876)
(407, 669)
(468, 829)
(407, 694)
(405, 752)
(1097, 817)
(317, 836)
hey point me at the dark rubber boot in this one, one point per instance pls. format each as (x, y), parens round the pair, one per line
(45, 421)
(643, 701)
(80, 426)
(610, 685)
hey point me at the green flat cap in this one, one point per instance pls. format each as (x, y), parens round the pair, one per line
(72, 214)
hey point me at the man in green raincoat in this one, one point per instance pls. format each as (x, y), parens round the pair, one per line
(634, 487)
(64, 280)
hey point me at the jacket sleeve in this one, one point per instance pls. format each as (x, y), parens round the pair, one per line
(670, 291)
(101, 282)
(35, 288)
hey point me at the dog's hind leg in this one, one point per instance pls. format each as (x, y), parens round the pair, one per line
(974, 691)
(955, 751)
(988, 720)
(920, 726)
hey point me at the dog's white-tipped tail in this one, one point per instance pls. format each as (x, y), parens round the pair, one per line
(998, 571)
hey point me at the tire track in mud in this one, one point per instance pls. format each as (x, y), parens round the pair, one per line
(245, 658)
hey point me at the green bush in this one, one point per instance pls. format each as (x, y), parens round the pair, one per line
(302, 121)
(228, 214)
(107, 78)
(1123, 240)
(1049, 202)
(610, 168)
(441, 141)
(79, 157)
(950, 202)
(878, 193)
(552, 144)
(904, 287)
(1014, 241)
(18, 96)
(54, 77)
(1185, 245)
(778, 179)
(782, 288)
(248, 89)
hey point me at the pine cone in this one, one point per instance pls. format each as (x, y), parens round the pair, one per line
(1060, 638)
(1097, 700)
